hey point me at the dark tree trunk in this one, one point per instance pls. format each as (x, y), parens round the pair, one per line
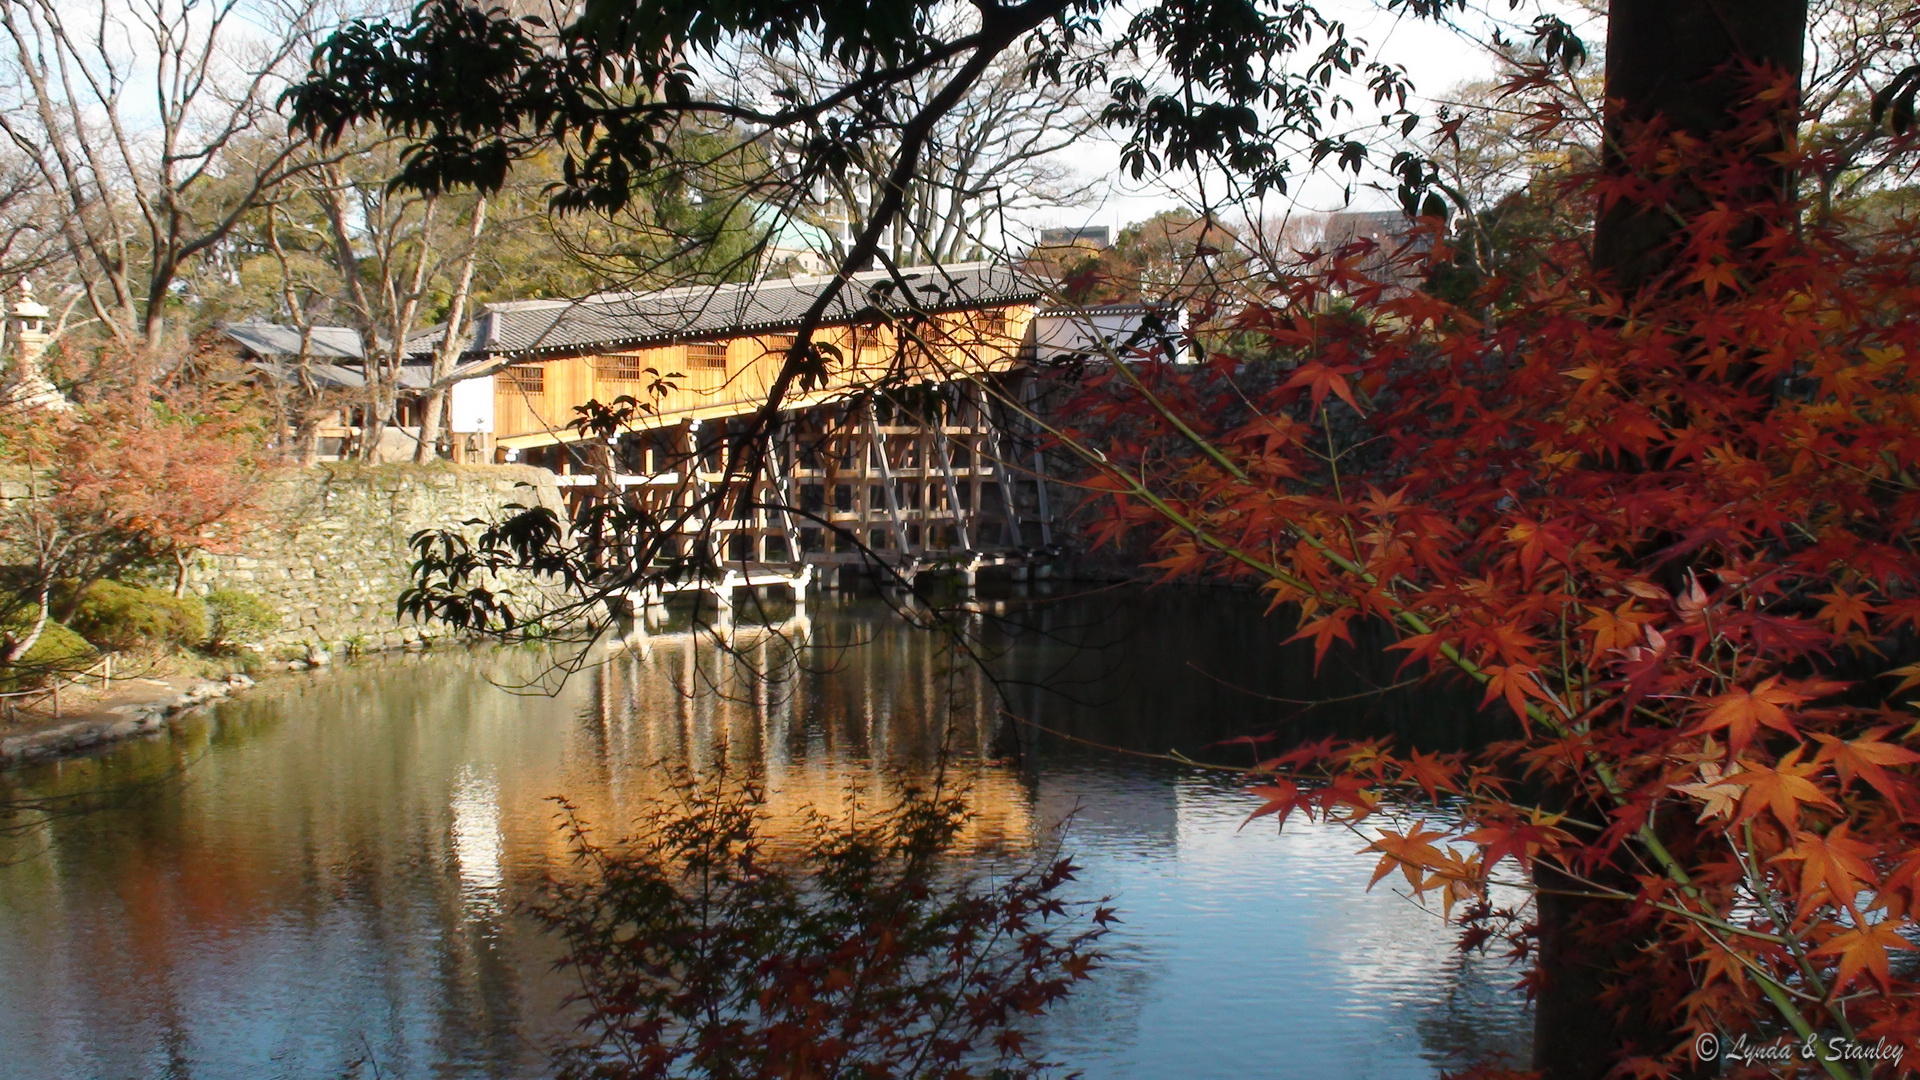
(1672, 59)
(1579, 1030)
(1675, 59)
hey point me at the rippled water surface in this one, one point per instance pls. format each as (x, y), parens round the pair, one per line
(321, 879)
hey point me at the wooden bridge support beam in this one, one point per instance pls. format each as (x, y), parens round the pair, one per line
(876, 451)
(940, 492)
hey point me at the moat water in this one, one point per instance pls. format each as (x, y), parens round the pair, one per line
(324, 878)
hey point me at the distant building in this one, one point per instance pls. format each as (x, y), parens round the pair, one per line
(1348, 226)
(1090, 235)
(792, 246)
(265, 344)
(694, 354)
(1388, 231)
(724, 342)
(1123, 331)
(327, 362)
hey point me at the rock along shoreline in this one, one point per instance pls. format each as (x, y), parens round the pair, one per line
(116, 723)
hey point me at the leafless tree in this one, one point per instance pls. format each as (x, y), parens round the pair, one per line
(303, 288)
(28, 236)
(1280, 244)
(384, 256)
(453, 336)
(332, 246)
(995, 153)
(126, 113)
(396, 252)
(1855, 47)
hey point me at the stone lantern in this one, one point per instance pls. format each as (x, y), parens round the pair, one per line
(26, 344)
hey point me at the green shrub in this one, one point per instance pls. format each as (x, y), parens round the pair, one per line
(121, 617)
(238, 618)
(57, 651)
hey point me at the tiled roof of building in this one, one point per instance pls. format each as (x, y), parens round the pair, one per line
(1137, 307)
(348, 376)
(333, 357)
(1394, 237)
(630, 319)
(273, 340)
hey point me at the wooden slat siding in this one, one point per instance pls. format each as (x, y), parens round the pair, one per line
(959, 344)
(514, 409)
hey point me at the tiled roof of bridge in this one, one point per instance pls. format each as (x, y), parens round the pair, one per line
(630, 319)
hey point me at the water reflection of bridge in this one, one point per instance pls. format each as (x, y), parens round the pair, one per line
(819, 719)
(334, 876)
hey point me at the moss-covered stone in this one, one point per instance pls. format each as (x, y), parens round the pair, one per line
(329, 556)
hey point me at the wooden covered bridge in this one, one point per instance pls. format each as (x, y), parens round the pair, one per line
(909, 456)
(910, 453)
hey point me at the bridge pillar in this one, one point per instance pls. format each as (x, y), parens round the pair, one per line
(722, 611)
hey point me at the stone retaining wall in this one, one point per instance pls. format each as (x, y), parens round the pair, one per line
(329, 552)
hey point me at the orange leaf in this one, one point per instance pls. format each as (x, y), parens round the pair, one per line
(1281, 796)
(1843, 610)
(1718, 796)
(1324, 631)
(1863, 948)
(1864, 757)
(1742, 712)
(1516, 684)
(1910, 677)
(1411, 853)
(1714, 276)
(1616, 629)
(1781, 789)
(1520, 842)
(1832, 868)
(1320, 378)
(1428, 771)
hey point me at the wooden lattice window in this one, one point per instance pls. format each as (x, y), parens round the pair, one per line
(777, 346)
(620, 368)
(527, 379)
(707, 354)
(993, 324)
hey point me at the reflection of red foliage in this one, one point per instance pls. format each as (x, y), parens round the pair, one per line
(1669, 532)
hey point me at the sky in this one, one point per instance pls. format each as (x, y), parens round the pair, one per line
(1437, 58)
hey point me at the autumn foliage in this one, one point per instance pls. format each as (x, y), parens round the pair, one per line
(704, 948)
(158, 478)
(129, 481)
(1669, 533)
